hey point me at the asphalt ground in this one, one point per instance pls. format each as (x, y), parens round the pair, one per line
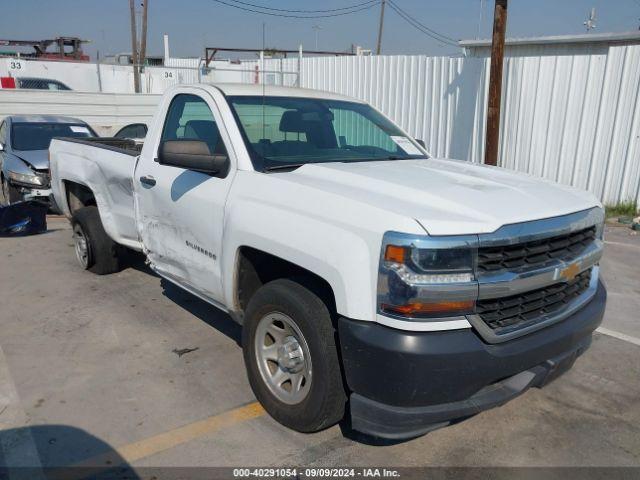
(128, 369)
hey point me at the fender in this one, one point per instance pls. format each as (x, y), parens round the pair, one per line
(261, 214)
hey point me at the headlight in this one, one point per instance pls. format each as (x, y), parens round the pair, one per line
(27, 179)
(426, 277)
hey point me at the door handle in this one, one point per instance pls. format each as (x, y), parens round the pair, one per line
(148, 180)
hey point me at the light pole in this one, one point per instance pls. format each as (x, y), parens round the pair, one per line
(317, 29)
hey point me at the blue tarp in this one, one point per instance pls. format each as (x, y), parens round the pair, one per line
(23, 218)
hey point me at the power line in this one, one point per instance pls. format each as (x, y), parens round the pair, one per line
(440, 38)
(296, 16)
(422, 24)
(368, 2)
(431, 30)
(411, 22)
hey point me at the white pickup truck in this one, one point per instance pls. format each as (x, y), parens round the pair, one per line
(373, 282)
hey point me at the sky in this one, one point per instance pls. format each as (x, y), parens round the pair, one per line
(192, 24)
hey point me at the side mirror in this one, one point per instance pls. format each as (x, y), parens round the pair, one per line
(421, 143)
(192, 155)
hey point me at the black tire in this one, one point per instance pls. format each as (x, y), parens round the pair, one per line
(102, 252)
(325, 401)
(10, 194)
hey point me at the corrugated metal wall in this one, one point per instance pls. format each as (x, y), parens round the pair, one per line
(575, 119)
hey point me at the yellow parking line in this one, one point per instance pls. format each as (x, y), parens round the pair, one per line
(167, 440)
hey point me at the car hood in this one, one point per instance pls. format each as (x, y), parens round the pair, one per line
(447, 197)
(38, 159)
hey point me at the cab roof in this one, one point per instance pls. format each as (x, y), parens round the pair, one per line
(252, 90)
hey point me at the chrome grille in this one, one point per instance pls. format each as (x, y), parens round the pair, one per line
(506, 314)
(535, 253)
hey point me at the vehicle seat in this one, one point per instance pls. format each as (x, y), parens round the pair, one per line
(292, 122)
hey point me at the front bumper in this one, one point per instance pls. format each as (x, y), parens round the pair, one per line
(405, 384)
(42, 194)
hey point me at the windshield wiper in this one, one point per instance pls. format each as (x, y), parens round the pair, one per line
(293, 166)
(375, 159)
(290, 166)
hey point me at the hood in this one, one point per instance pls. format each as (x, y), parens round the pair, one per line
(447, 197)
(38, 159)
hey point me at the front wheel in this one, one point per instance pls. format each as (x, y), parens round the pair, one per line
(291, 356)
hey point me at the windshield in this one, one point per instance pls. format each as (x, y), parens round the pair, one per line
(37, 136)
(282, 132)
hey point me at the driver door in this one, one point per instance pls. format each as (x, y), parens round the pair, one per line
(181, 211)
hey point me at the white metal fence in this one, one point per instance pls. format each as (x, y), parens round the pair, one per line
(572, 117)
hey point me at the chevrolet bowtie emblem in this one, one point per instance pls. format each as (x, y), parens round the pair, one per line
(569, 273)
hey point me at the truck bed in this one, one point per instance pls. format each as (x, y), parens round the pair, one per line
(122, 145)
(105, 166)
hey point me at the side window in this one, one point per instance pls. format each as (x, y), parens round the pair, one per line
(135, 130)
(189, 118)
(3, 133)
(125, 132)
(141, 130)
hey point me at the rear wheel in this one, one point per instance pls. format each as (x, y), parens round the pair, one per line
(291, 356)
(95, 251)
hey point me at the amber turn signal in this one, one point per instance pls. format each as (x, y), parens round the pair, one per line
(430, 309)
(395, 254)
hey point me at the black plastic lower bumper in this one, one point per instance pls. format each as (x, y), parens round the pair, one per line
(406, 383)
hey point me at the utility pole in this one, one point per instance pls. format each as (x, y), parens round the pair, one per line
(379, 48)
(143, 40)
(134, 48)
(495, 83)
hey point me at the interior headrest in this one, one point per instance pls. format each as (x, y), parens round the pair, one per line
(292, 122)
(201, 128)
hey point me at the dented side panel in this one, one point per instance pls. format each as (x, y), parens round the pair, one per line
(181, 217)
(108, 174)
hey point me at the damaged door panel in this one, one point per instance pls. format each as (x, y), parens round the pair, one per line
(185, 247)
